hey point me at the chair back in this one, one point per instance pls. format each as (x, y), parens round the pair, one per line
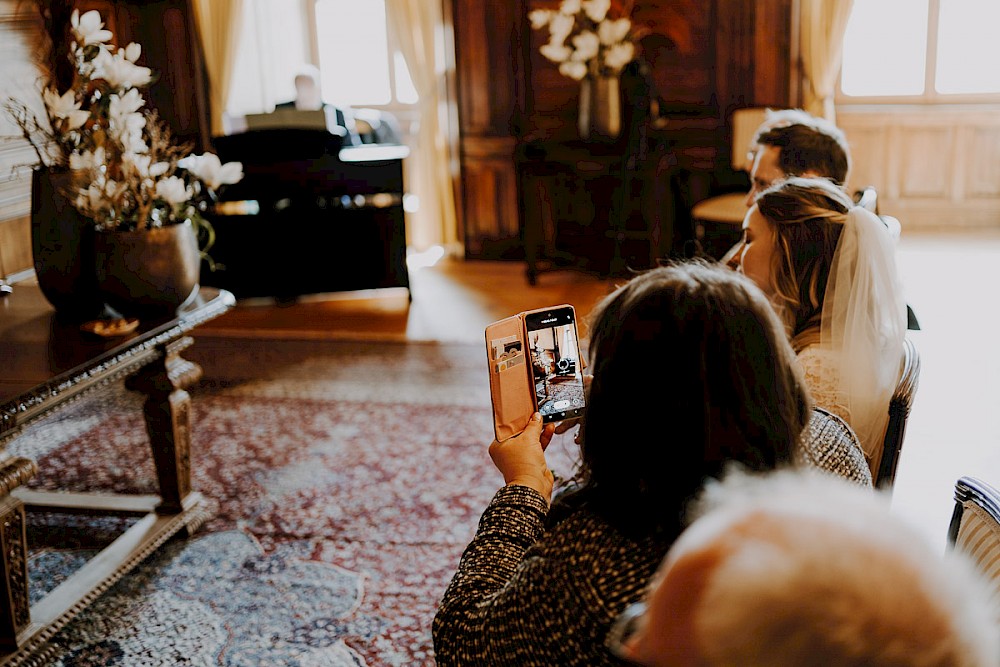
(745, 124)
(975, 529)
(899, 411)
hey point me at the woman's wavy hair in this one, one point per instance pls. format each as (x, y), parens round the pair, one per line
(807, 215)
(691, 370)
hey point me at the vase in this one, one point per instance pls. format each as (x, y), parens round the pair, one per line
(62, 247)
(600, 114)
(149, 272)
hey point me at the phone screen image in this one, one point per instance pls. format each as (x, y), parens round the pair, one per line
(554, 354)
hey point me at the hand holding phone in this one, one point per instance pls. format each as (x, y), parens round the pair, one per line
(535, 365)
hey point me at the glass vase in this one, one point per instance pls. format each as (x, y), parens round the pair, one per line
(600, 113)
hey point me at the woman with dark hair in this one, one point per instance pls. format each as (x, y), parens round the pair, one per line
(691, 371)
(829, 269)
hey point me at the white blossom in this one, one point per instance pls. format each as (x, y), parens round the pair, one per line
(596, 10)
(119, 72)
(573, 69)
(173, 190)
(560, 28)
(65, 107)
(540, 18)
(612, 32)
(210, 170)
(570, 7)
(587, 46)
(619, 55)
(132, 52)
(87, 160)
(557, 53)
(88, 29)
(583, 40)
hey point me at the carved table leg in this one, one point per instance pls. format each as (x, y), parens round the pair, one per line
(168, 420)
(15, 606)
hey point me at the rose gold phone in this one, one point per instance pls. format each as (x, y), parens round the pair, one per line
(535, 364)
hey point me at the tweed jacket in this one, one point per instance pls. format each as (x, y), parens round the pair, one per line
(527, 595)
(829, 444)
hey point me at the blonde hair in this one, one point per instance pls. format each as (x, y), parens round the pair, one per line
(813, 570)
(807, 215)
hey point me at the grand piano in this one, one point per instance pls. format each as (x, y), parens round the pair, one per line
(309, 216)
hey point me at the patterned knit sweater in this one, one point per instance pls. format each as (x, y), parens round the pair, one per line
(524, 595)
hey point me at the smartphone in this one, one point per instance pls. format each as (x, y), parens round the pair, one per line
(554, 351)
(535, 365)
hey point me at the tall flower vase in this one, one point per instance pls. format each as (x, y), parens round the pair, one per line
(600, 114)
(62, 247)
(150, 272)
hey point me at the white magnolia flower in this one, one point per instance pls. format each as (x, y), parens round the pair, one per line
(65, 107)
(210, 170)
(557, 53)
(125, 103)
(88, 29)
(583, 40)
(612, 32)
(119, 72)
(573, 69)
(560, 28)
(173, 190)
(596, 10)
(87, 160)
(570, 7)
(619, 55)
(132, 52)
(587, 46)
(540, 18)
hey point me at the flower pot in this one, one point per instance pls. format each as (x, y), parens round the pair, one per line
(62, 247)
(600, 113)
(150, 272)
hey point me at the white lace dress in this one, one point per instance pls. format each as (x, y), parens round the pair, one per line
(820, 369)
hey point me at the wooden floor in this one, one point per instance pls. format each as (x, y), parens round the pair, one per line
(951, 283)
(452, 301)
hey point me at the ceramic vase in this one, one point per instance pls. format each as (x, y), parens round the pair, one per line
(62, 247)
(151, 272)
(600, 113)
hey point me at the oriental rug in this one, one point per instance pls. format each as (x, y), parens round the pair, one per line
(345, 480)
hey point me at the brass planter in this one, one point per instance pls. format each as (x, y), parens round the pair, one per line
(149, 272)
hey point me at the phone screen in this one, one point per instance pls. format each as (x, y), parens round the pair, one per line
(554, 352)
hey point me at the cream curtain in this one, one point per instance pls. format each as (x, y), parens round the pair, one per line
(218, 22)
(823, 25)
(418, 25)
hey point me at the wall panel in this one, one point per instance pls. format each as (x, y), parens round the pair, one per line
(935, 167)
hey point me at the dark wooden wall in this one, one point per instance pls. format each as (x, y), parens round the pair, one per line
(706, 57)
(167, 32)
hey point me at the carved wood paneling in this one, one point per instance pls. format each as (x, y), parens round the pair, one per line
(706, 57)
(935, 167)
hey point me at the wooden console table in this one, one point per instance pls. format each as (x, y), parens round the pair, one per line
(47, 363)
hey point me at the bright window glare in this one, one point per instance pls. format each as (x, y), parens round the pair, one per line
(352, 55)
(406, 93)
(885, 48)
(968, 57)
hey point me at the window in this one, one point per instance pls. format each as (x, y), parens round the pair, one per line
(921, 51)
(360, 64)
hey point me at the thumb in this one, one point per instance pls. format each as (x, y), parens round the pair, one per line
(534, 427)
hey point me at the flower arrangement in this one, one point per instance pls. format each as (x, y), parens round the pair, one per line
(584, 40)
(127, 172)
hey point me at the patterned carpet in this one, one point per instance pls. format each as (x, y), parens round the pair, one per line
(345, 479)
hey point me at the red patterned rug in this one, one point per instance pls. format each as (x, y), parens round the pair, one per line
(345, 479)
